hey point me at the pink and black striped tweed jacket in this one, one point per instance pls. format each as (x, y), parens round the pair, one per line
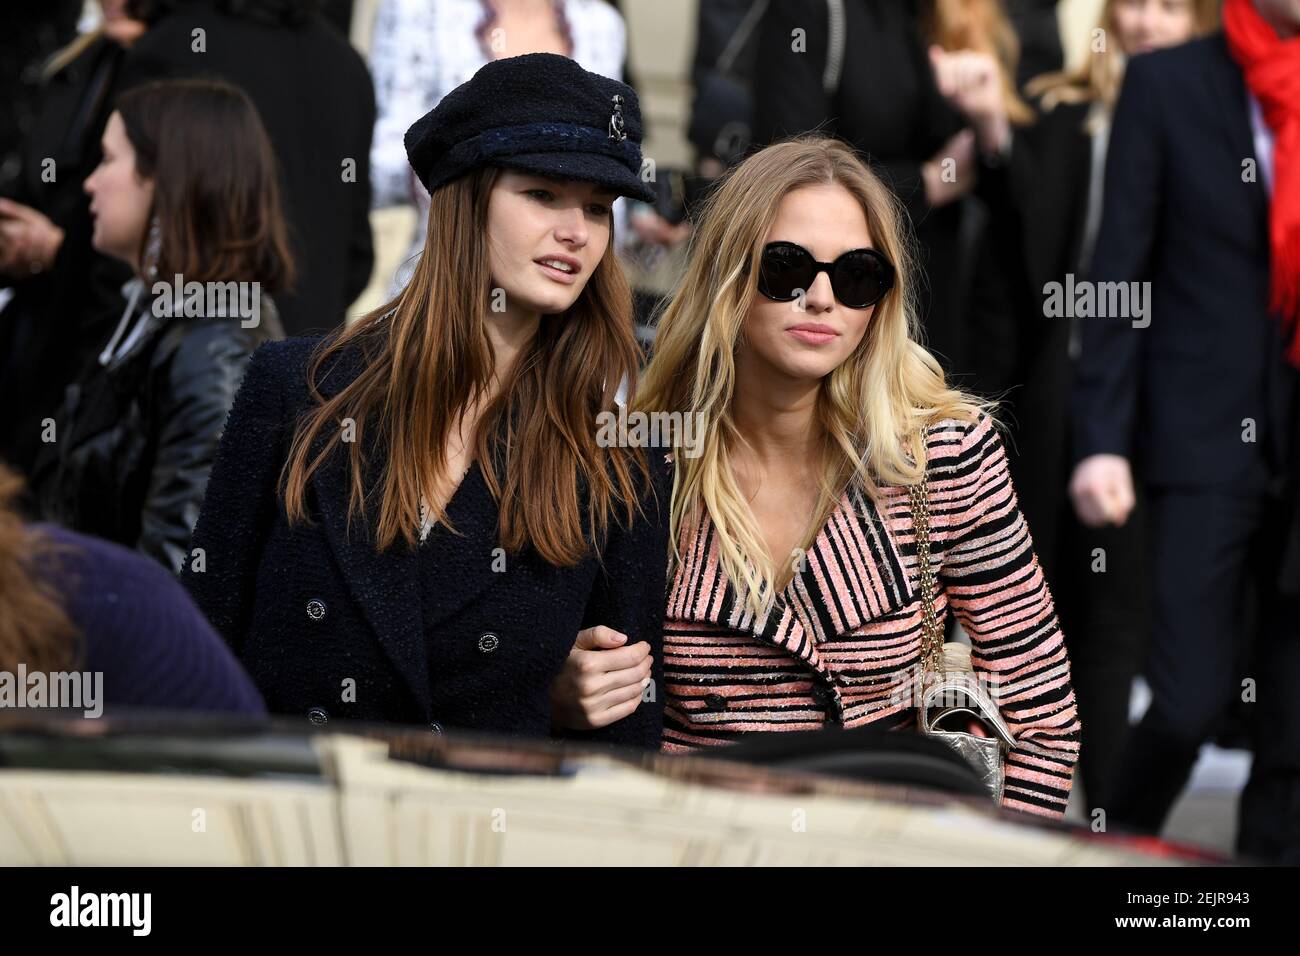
(843, 642)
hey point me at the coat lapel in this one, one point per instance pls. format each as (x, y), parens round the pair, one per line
(386, 584)
(852, 574)
(466, 560)
(383, 583)
(853, 570)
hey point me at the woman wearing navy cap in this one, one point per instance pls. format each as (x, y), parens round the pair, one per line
(409, 519)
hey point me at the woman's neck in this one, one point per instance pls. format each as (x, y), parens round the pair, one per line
(510, 333)
(778, 418)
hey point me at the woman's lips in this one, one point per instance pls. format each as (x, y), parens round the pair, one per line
(560, 275)
(813, 334)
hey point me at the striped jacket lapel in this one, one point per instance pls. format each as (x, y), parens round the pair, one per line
(852, 574)
(854, 567)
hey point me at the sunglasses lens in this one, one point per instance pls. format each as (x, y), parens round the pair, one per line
(783, 271)
(861, 279)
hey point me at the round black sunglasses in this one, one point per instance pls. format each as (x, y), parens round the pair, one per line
(859, 278)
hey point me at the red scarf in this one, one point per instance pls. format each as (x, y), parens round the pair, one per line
(1272, 70)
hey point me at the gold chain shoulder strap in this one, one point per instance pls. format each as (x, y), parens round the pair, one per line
(931, 637)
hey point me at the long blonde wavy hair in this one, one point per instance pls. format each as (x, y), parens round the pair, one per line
(872, 407)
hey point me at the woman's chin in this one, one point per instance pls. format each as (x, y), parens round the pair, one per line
(810, 368)
(545, 303)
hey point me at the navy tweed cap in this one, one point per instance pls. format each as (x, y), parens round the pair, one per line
(539, 113)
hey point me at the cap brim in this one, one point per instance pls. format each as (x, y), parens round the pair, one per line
(588, 167)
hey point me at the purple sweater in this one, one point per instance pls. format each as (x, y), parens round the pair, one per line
(141, 630)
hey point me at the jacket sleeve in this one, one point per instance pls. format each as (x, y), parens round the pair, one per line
(1108, 370)
(193, 401)
(995, 586)
(1002, 336)
(630, 596)
(240, 504)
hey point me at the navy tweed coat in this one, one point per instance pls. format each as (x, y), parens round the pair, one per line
(328, 627)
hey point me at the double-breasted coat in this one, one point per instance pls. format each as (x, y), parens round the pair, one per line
(329, 627)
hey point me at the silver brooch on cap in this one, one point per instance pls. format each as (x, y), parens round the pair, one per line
(616, 131)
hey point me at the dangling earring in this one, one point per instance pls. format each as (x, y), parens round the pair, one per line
(152, 250)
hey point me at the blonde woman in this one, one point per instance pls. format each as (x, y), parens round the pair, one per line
(794, 600)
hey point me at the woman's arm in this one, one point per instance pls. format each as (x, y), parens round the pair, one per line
(997, 590)
(629, 598)
(239, 508)
(938, 134)
(1109, 369)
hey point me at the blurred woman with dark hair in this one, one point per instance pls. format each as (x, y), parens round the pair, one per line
(70, 602)
(314, 96)
(186, 195)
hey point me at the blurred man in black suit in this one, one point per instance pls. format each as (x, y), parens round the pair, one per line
(1198, 395)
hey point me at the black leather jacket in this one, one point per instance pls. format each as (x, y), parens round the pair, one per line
(128, 457)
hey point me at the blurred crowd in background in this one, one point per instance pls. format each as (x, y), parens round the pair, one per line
(1008, 129)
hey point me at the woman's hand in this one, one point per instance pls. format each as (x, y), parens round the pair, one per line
(119, 27)
(602, 680)
(29, 240)
(972, 82)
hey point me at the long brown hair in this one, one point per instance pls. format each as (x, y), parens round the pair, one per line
(34, 628)
(428, 358)
(216, 196)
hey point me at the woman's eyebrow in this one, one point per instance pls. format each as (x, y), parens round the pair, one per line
(599, 192)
